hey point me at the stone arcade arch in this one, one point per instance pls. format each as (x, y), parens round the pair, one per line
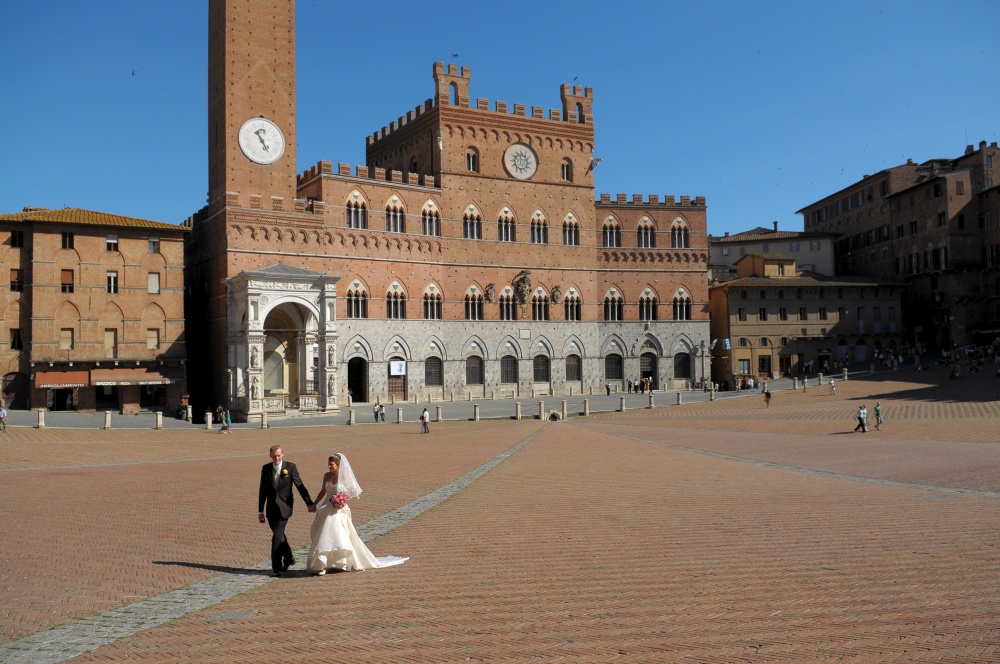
(282, 334)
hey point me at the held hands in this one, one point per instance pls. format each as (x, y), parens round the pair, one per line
(260, 517)
(312, 508)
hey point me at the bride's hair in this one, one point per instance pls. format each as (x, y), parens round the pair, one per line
(334, 457)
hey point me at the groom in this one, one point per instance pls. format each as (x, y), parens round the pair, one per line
(276, 480)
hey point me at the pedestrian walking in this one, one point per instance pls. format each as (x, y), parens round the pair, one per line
(878, 416)
(862, 420)
(833, 387)
(3, 419)
(425, 419)
(375, 412)
(381, 413)
(607, 387)
(767, 398)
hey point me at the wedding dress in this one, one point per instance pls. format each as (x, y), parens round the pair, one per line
(335, 542)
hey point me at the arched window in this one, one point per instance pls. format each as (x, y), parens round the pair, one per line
(472, 225)
(413, 164)
(357, 303)
(453, 94)
(539, 229)
(572, 307)
(474, 370)
(430, 222)
(507, 308)
(395, 219)
(611, 234)
(574, 367)
(679, 235)
(395, 305)
(539, 307)
(764, 342)
(472, 160)
(646, 234)
(473, 306)
(508, 369)
(579, 113)
(613, 367)
(571, 233)
(682, 365)
(682, 306)
(614, 307)
(357, 215)
(566, 170)
(540, 367)
(648, 309)
(433, 371)
(506, 231)
(432, 306)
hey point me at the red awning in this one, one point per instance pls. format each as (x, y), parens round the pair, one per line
(136, 376)
(45, 380)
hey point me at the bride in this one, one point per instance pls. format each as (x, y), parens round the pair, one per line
(335, 543)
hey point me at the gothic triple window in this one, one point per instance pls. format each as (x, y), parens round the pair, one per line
(357, 303)
(572, 307)
(539, 229)
(682, 306)
(430, 221)
(679, 235)
(507, 308)
(395, 219)
(432, 306)
(472, 225)
(646, 234)
(647, 307)
(539, 307)
(506, 231)
(357, 215)
(611, 234)
(614, 307)
(473, 306)
(571, 233)
(395, 305)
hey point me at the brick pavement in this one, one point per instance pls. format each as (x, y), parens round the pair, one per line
(602, 538)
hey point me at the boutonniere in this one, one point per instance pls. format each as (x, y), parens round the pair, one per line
(284, 471)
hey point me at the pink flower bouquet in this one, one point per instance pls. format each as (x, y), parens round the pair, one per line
(339, 500)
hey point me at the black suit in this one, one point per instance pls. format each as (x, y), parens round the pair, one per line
(277, 496)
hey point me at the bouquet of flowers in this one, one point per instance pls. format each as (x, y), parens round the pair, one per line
(339, 500)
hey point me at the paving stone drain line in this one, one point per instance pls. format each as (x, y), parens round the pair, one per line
(86, 634)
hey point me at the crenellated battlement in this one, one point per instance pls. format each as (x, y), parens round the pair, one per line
(653, 199)
(452, 83)
(364, 173)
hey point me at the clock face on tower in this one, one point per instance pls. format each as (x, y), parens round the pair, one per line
(261, 141)
(520, 161)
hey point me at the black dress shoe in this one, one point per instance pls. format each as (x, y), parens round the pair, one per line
(277, 573)
(288, 563)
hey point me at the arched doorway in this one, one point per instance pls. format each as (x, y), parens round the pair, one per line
(397, 377)
(647, 369)
(284, 351)
(357, 379)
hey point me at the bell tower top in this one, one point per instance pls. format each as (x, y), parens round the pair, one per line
(251, 98)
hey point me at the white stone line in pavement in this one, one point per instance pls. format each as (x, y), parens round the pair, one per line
(72, 639)
(809, 471)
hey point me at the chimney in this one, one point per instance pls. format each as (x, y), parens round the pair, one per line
(775, 226)
(969, 149)
(726, 234)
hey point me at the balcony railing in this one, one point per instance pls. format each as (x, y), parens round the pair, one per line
(96, 352)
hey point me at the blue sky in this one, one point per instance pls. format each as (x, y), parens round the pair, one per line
(761, 107)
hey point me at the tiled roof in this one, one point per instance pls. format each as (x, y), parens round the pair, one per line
(803, 281)
(770, 255)
(287, 270)
(761, 234)
(85, 218)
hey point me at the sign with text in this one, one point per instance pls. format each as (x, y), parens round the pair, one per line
(397, 368)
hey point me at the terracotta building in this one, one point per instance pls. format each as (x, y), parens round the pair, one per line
(469, 255)
(94, 314)
(774, 318)
(923, 225)
(813, 252)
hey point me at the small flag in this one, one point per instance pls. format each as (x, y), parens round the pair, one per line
(714, 341)
(726, 345)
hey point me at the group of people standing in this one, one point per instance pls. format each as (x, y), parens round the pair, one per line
(863, 418)
(336, 545)
(378, 411)
(639, 385)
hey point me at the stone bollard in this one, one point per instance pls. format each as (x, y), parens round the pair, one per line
(571, 390)
(871, 371)
(475, 412)
(564, 413)
(586, 407)
(679, 399)
(711, 397)
(350, 418)
(159, 420)
(189, 414)
(621, 404)
(470, 395)
(208, 420)
(41, 418)
(517, 410)
(845, 373)
(819, 382)
(453, 397)
(541, 410)
(263, 421)
(107, 419)
(494, 395)
(795, 383)
(392, 399)
(437, 415)
(399, 416)
(650, 400)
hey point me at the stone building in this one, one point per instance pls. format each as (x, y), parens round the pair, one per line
(469, 255)
(773, 318)
(923, 225)
(813, 252)
(94, 313)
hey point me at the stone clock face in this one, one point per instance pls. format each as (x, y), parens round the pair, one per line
(520, 161)
(261, 141)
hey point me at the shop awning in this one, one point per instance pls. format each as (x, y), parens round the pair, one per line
(45, 380)
(136, 376)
